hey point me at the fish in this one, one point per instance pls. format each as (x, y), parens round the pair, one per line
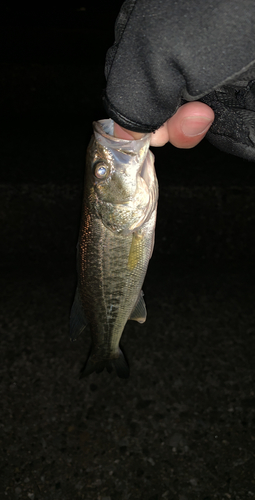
(115, 244)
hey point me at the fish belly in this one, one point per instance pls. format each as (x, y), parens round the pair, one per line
(111, 270)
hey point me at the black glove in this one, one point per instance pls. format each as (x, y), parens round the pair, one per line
(168, 52)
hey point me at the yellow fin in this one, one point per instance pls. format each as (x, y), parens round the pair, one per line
(135, 251)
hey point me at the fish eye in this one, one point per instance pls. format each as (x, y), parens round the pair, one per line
(100, 170)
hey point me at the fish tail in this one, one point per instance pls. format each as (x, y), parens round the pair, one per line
(96, 364)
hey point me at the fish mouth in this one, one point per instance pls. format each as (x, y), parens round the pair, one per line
(128, 200)
(104, 130)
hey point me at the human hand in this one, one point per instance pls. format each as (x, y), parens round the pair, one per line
(185, 129)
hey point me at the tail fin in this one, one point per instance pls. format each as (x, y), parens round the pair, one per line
(96, 364)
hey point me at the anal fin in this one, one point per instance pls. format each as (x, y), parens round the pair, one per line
(139, 312)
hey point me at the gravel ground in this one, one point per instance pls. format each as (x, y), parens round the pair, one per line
(182, 427)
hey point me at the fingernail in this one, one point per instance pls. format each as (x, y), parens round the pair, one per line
(195, 125)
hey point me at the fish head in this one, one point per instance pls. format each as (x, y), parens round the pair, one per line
(118, 183)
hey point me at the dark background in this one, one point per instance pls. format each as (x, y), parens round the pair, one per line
(183, 426)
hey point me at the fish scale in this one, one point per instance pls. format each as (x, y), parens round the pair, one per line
(115, 244)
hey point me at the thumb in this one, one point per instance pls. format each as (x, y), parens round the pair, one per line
(186, 128)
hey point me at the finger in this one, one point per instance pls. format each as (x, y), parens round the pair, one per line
(186, 128)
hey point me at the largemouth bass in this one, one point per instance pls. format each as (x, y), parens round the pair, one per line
(115, 244)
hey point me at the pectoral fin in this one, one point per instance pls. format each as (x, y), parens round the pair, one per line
(135, 250)
(78, 321)
(139, 312)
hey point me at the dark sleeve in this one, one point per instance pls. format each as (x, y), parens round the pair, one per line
(167, 52)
